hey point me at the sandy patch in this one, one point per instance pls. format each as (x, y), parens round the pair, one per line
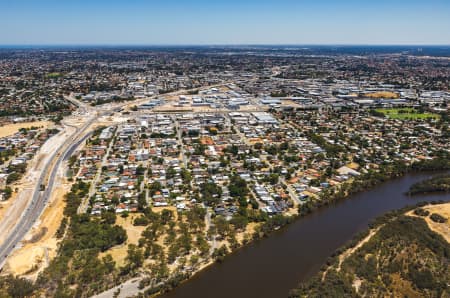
(291, 103)
(119, 253)
(12, 210)
(26, 261)
(4, 205)
(353, 166)
(133, 232)
(249, 230)
(383, 94)
(11, 129)
(351, 250)
(440, 228)
(40, 244)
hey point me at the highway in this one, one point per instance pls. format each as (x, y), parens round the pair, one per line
(47, 178)
(40, 197)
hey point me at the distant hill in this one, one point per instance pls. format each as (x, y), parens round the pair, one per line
(402, 257)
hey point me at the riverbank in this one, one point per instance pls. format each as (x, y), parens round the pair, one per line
(364, 182)
(439, 183)
(273, 265)
(270, 267)
(389, 261)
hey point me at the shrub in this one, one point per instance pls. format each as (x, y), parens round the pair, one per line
(421, 212)
(437, 218)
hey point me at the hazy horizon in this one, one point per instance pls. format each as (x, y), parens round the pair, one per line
(233, 22)
(112, 45)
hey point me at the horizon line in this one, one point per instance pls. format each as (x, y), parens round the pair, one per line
(219, 45)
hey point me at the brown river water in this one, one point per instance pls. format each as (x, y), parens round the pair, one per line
(271, 267)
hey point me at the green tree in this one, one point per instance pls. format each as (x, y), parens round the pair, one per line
(135, 257)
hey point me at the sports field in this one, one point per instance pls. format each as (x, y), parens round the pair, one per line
(407, 113)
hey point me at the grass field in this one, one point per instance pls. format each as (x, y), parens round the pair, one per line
(407, 113)
(53, 75)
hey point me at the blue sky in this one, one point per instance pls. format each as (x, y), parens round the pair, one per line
(155, 22)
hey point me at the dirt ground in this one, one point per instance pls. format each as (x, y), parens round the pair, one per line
(291, 103)
(12, 209)
(440, 228)
(11, 129)
(4, 205)
(351, 250)
(171, 208)
(40, 244)
(249, 230)
(383, 94)
(119, 252)
(353, 166)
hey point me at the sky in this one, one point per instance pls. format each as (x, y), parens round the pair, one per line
(220, 22)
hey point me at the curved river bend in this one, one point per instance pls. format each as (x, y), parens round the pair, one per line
(271, 267)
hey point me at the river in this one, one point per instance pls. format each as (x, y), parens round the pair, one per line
(271, 267)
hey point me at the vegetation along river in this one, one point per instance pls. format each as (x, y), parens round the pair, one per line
(271, 267)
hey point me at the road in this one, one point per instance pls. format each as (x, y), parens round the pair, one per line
(84, 204)
(263, 158)
(209, 224)
(47, 177)
(40, 197)
(180, 141)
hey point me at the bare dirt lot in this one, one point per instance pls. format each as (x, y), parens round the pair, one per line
(119, 252)
(383, 94)
(40, 244)
(440, 228)
(11, 129)
(4, 205)
(13, 208)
